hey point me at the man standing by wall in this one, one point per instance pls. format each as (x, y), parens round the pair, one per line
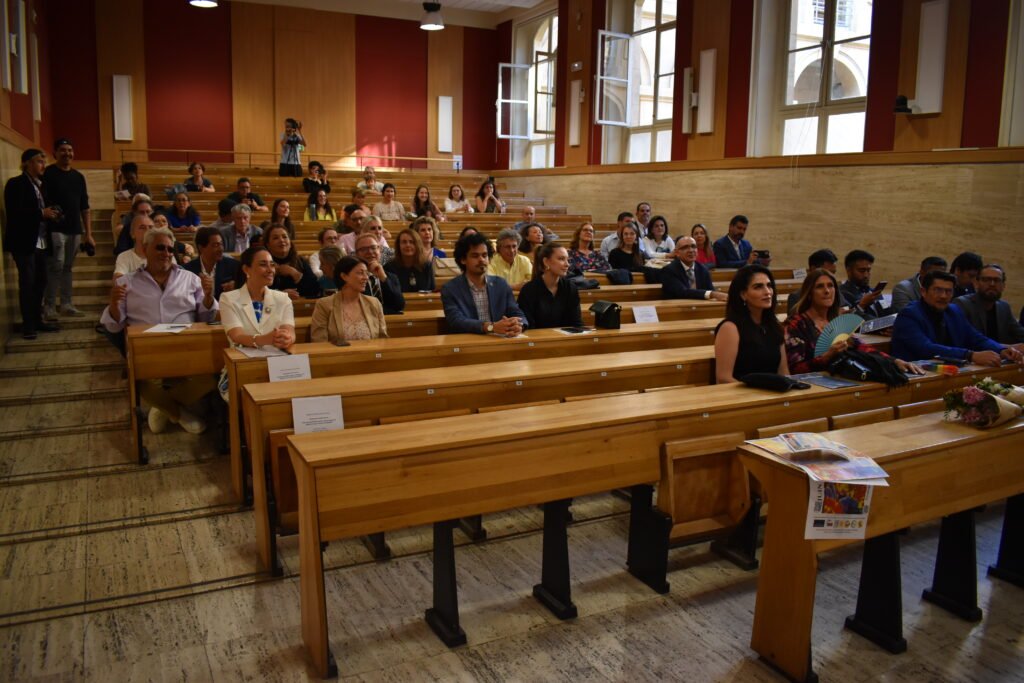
(64, 187)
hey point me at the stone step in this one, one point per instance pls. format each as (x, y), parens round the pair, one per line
(33, 363)
(82, 336)
(91, 385)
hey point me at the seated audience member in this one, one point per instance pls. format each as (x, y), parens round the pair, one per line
(468, 230)
(705, 251)
(163, 292)
(369, 184)
(128, 184)
(389, 209)
(319, 208)
(825, 259)
(532, 236)
(965, 267)
(412, 265)
(429, 234)
(212, 262)
(456, 201)
(583, 257)
(317, 179)
(294, 276)
(658, 242)
(487, 198)
(352, 219)
(986, 310)
(183, 217)
(243, 194)
(512, 266)
(475, 301)
(224, 219)
(817, 304)
(374, 226)
(684, 278)
(643, 217)
(379, 284)
(549, 299)
(529, 218)
(349, 314)
(857, 290)
(135, 258)
(327, 237)
(732, 250)
(240, 234)
(141, 206)
(253, 314)
(280, 214)
(750, 339)
(611, 241)
(423, 205)
(328, 258)
(359, 199)
(930, 327)
(908, 291)
(195, 181)
(628, 255)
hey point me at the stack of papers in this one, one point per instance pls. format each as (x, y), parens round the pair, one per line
(823, 459)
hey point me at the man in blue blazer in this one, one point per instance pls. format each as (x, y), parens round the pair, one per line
(931, 327)
(212, 262)
(475, 301)
(684, 278)
(732, 250)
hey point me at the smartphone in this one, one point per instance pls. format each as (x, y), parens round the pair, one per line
(215, 322)
(762, 253)
(574, 330)
(880, 286)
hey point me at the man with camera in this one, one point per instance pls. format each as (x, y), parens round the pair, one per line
(65, 193)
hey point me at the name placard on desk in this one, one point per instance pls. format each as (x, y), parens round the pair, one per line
(317, 414)
(285, 368)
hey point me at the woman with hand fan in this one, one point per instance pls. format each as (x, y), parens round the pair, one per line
(816, 334)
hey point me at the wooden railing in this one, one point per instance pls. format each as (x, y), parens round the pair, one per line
(257, 159)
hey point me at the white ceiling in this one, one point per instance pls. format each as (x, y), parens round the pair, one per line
(480, 5)
(478, 13)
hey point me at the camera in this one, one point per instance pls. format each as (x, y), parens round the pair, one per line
(89, 249)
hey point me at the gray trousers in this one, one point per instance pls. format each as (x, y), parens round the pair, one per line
(58, 267)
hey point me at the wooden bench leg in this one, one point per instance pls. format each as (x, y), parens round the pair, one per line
(955, 584)
(473, 527)
(273, 522)
(554, 591)
(740, 547)
(141, 417)
(1009, 565)
(879, 615)
(443, 617)
(649, 528)
(377, 546)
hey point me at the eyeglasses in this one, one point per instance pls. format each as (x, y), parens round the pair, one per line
(164, 248)
(367, 249)
(990, 280)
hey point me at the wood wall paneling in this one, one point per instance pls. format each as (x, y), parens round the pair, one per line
(986, 66)
(684, 59)
(504, 40)
(252, 82)
(943, 130)
(119, 50)
(480, 88)
(444, 77)
(884, 69)
(579, 38)
(741, 33)
(711, 30)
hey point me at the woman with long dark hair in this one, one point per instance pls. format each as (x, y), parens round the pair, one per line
(750, 339)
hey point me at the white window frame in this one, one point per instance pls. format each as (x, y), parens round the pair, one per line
(511, 68)
(603, 38)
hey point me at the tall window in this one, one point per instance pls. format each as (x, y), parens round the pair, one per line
(638, 114)
(527, 94)
(824, 92)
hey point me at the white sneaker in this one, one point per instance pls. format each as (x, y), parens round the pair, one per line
(193, 424)
(71, 311)
(49, 313)
(157, 420)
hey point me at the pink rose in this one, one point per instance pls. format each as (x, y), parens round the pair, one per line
(973, 395)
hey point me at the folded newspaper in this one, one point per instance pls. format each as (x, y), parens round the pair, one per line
(823, 459)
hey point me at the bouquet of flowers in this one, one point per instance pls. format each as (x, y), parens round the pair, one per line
(986, 403)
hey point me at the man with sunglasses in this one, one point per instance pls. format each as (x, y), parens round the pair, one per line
(163, 292)
(387, 290)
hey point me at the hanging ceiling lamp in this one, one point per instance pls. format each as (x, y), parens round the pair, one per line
(206, 4)
(432, 20)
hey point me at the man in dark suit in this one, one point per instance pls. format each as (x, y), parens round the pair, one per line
(385, 286)
(732, 250)
(684, 278)
(26, 236)
(212, 263)
(475, 301)
(986, 310)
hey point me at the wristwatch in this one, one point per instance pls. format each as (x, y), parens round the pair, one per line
(490, 328)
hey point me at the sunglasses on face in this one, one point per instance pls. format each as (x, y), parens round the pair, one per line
(164, 248)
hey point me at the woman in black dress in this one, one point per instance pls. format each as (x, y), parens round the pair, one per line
(750, 339)
(549, 299)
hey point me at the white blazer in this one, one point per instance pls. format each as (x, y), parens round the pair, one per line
(236, 311)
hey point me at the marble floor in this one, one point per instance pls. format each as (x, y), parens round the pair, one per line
(114, 572)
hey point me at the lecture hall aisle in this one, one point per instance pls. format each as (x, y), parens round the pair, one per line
(114, 572)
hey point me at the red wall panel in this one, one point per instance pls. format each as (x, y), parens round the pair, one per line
(741, 32)
(188, 82)
(562, 83)
(479, 91)
(600, 10)
(504, 42)
(883, 76)
(684, 59)
(71, 28)
(391, 82)
(986, 61)
(46, 105)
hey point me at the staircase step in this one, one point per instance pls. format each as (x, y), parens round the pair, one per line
(60, 362)
(83, 336)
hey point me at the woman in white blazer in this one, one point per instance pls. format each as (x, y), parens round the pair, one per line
(255, 315)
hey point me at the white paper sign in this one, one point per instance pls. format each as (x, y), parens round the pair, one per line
(799, 273)
(317, 414)
(262, 352)
(284, 368)
(173, 328)
(645, 314)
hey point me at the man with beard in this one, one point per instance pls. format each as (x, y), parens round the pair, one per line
(986, 310)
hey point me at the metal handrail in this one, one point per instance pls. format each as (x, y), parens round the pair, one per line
(191, 155)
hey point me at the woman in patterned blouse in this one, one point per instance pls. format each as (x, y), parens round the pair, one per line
(582, 255)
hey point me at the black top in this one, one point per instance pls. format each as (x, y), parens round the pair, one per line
(66, 189)
(412, 280)
(620, 259)
(237, 198)
(307, 286)
(310, 186)
(191, 186)
(24, 225)
(542, 309)
(759, 349)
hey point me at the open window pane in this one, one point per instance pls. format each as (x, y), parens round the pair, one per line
(853, 18)
(800, 136)
(613, 79)
(803, 77)
(544, 94)
(513, 105)
(806, 23)
(639, 147)
(845, 133)
(849, 76)
(667, 57)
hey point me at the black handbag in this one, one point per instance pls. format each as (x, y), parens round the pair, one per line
(772, 381)
(584, 282)
(863, 366)
(607, 315)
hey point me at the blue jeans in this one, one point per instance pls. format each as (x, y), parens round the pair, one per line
(58, 268)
